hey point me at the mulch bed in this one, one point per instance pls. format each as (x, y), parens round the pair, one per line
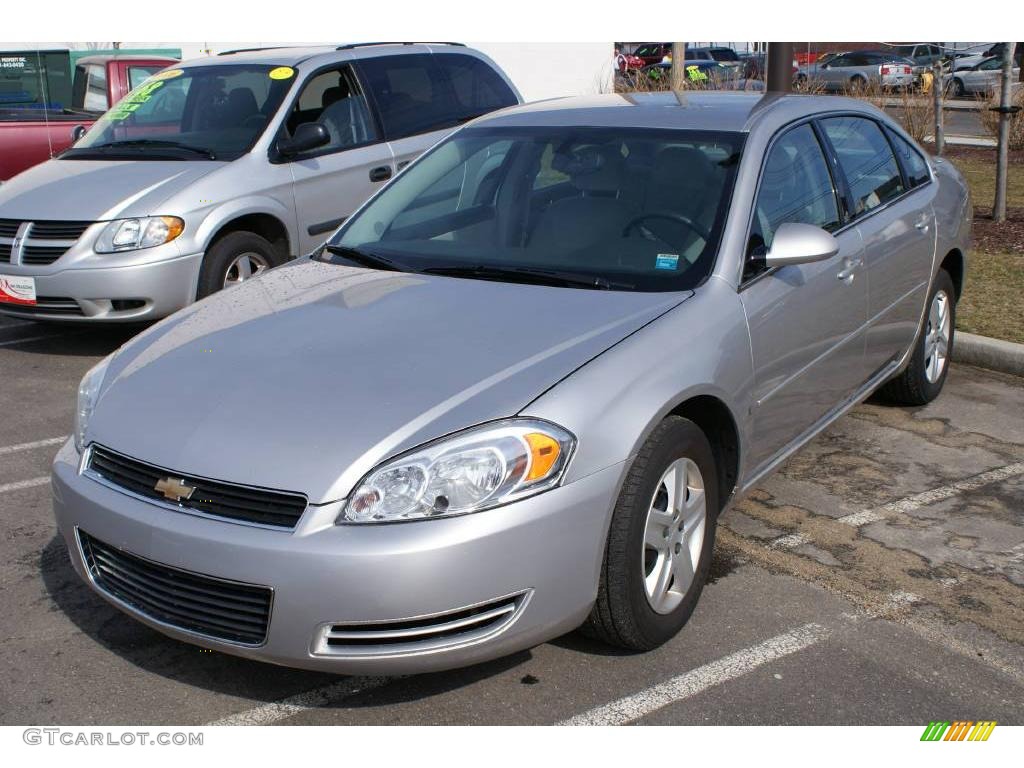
(1007, 237)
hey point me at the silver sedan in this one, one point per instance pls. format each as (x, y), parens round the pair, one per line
(514, 392)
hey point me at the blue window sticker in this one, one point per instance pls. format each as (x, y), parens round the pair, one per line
(667, 261)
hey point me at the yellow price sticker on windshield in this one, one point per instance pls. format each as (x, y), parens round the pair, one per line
(281, 73)
(167, 75)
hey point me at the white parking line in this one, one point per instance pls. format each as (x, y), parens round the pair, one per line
(318, 697)
(910, 503)
(30, 446)
(35, 481)
(695, 681)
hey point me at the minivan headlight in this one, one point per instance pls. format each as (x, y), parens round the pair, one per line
(470, 471)
(88, 392)
(132, 234)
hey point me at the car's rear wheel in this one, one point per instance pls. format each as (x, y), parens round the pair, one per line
(921, 381)
(957, 87)
(233, 259)
(660, 541)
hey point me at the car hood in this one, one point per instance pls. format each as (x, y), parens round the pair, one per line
(98, 190)
(307, 377)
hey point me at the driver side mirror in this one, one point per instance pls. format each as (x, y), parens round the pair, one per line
(77, 132)
(800, 244)
(307, 136)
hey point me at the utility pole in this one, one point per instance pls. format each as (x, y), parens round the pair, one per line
(1005, 110)
(937, 85)
(678, 66)
(779, 67)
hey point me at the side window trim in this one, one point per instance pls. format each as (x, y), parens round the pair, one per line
(844, 197)
(893, 137)
(286, 109)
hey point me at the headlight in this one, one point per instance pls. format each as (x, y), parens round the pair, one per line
(88, 391)
(471, 471)
(132, 234)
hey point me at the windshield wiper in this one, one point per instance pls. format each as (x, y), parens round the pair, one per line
(365, 259)
(156, 143)
(529, 275)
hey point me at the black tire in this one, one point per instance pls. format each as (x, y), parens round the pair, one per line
(858, 84)
(912, 387)
(622, 614)
(958, 87)
(223, 253)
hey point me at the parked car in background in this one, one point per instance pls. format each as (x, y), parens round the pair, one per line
(719, 53)
(34, 128)
(653, 53)
(701, 73)
(627, 61)
(858, 70)
(222, 167)
(525, 379)
(922, 55)
(983, 78)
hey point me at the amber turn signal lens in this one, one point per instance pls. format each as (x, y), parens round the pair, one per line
(175, 227)
(544, 453)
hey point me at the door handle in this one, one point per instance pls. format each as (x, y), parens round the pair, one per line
(922, 227)
(380, 173)
(849, 271)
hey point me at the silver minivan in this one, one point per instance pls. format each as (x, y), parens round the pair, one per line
(221, 167)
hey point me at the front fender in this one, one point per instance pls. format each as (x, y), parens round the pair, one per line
(702, 347)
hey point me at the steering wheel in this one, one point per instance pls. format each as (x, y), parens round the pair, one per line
(667, 216)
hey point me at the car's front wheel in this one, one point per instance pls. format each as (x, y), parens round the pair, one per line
(233, 259)
(921, 381)
(660, 541)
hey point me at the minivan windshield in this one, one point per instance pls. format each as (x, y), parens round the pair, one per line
(613, 208)
(202, 112)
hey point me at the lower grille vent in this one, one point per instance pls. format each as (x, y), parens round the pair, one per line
(415, 635)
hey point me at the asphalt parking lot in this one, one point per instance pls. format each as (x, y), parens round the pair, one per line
(878, 578)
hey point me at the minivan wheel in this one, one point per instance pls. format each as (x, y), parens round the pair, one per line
(660, 540)
(921, 381)
(234, 258)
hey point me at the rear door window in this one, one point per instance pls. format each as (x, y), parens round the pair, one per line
(476, 87)
(867, 161)
(913, 164)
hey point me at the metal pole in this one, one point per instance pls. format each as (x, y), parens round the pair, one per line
(1005, 111)
(779, 67)
(940, 138)
(678, 66)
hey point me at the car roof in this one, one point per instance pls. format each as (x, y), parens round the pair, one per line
(734, 111)
(104, 58)
(319, 54)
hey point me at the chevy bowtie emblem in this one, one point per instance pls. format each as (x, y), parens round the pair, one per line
(174, 489)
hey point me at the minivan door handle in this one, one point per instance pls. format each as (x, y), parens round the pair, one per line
(850, 269)
(922, 226)
(380, 173)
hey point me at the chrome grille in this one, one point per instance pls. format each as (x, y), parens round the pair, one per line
(240, 503)
(215, 608)
(430, 633)
(44, 241)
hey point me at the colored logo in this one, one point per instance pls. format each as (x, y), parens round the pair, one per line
(958, 730)
(174, 489)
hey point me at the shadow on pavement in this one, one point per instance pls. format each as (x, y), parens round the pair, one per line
(66, 340)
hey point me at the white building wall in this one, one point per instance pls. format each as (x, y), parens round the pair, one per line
(539, 70)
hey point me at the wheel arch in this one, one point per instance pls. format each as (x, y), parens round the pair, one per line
(266, 225)
(716, 421)
(263, 216)
(953, 263)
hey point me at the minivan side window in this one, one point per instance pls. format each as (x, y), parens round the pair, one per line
(867, 161)
(796, 186)
(420, 93)
(913, 164)
(335, 100)
(476, 87)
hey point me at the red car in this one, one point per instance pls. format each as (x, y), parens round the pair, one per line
(33, 128)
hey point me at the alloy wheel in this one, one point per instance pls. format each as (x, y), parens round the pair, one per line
(936, 340)
(674, 535)
(243, 267)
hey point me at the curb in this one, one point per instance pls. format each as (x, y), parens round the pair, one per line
(994, 354)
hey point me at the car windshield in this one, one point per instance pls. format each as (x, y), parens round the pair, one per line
(203, 112)
(624, 209)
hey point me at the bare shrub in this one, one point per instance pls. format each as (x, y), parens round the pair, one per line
(914, 110)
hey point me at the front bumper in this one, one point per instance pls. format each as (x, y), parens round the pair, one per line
(547, 548)
(129, 294)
